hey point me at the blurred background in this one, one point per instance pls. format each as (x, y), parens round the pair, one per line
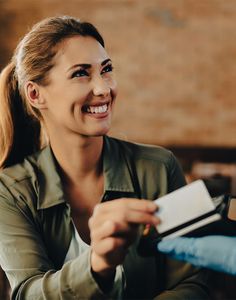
(175, 63)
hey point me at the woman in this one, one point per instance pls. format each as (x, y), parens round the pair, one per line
(61, 236)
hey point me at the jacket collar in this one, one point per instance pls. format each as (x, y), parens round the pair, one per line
(116, 170)
(50, 185)
(116, 167)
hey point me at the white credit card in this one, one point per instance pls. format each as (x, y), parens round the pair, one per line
(184, 205)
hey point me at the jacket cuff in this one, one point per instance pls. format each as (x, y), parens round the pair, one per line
(83, 284)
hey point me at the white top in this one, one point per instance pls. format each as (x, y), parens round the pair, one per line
(77, 246)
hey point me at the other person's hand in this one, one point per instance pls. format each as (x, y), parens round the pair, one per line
(215, 252)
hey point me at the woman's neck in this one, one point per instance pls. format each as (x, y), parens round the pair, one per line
(79, 158)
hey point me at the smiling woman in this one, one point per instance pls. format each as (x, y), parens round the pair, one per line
(82, 73)
(71, 205)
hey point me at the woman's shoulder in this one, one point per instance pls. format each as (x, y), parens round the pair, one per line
(22, 180)
(23, 170)
(34, 182)
(142, 151)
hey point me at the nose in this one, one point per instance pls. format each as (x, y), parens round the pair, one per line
(100, 87)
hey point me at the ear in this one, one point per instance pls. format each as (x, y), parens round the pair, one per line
(34, 95)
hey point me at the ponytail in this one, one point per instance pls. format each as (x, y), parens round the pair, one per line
(19, 131)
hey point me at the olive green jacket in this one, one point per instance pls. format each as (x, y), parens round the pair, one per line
(36, 229)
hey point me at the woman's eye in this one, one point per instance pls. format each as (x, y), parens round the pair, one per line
(107, 69)
(79, 73)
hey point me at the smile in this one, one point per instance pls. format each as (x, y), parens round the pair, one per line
(96, 109)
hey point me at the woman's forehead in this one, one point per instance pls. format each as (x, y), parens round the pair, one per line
(80, 50)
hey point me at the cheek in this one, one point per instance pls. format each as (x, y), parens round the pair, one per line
(114, 90)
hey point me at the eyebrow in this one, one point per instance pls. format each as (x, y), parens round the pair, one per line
(88, 66)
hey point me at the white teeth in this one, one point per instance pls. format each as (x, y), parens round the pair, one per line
(97, 109)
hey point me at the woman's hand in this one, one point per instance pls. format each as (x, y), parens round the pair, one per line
(114, 227)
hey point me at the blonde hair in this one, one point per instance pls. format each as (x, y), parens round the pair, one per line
(20, 123)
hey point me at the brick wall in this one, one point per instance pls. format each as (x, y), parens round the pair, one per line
(175, 63)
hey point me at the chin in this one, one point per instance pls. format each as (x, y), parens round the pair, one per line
(101, 132)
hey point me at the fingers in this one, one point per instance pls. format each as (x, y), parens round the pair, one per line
(123, 218)
(125, 231)
(114, 227)
(110, 245)
(127, 210)
(127, 203)
(110, 228)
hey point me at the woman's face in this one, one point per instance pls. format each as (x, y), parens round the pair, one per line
(81, 91)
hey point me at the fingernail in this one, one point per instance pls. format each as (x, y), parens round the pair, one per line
(152, 206)
(156, 221)
(146, 229)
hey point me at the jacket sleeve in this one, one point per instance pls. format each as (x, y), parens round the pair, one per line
(175, 173)
(30, 272)
(182, 280)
